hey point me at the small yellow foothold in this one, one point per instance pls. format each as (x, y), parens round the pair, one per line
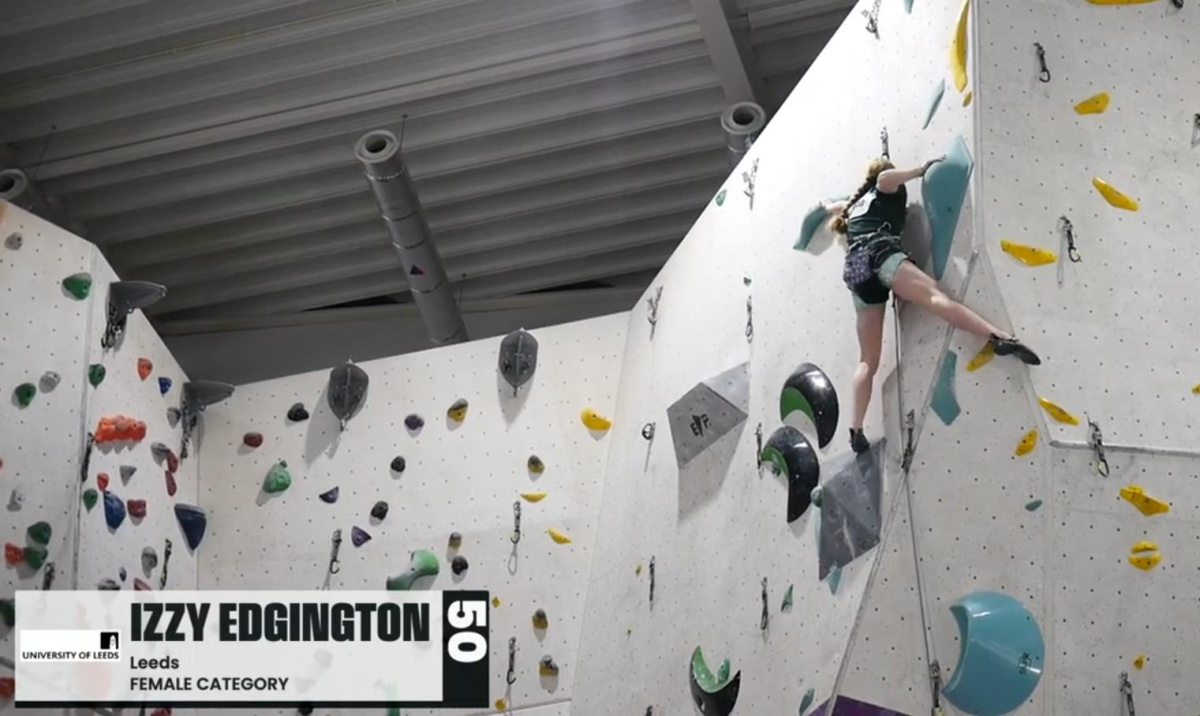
(501, 704)
(533, 496)
(1096, 104)
(594, 421)
(1119, 2)
(1196, 389)
(967, 99)
(958, 48)
(629, 631)
(638, 569)
(1139, 661)
(1057, 412)
(983, 357)
(495, 602)
(557, 536)
(1143, 546)
(1147, 505)
(1028, 255)
(1027, 444)
(1114, 197)
(1145, 562)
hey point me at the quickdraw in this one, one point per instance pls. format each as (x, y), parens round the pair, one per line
(335, 565)
(162, 578)
(872, 16)
(1127, 692)
(1044, 76)
(883, 139)
(87, 457)
(652, 580)
(516, 533)
(652, 316)
(766, 613)
(1068, 246)
(935, 685)
(1096, 440)
(749, 319)
(910, 422)
(648, 431)
(48, 577)
(749, 178)
(758, 435)
(511, 677)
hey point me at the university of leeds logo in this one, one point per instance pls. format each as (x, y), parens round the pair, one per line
(110, 641)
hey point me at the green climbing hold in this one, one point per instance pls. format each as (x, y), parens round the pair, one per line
(8, 611)
(720, 197)
(96, 373)
(24, 394)
(78, 285)
(834, 579)
(787, 598)
(423, 564)
(89, 498)
(944, 401)
(39, 532)
(34, 555)
(1033, 505)
(278, 479)
(809, 697)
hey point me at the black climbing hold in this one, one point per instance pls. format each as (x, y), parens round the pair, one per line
(414, 423)
(193, 521)
(330, 496)
(810, 391)
(108, 584)
(518, 358)
(297, 413)
(304, 709)
(347, 391)
(791, 456)
(398, 464)
(380, 510)
(459, 564)
(359, 536)
(122, 574)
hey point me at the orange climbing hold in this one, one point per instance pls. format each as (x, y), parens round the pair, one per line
(120, 428)
(144, 368)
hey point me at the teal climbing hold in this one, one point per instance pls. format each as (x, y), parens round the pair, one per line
(96, 373)
(944, 402)
(834, 578)
(8, 612)
(908, 6)
(39, 532)
(1001, 654)
(807, 701)
(934, 101)
(422, 564)
(813, 219)
(943, 191)
(1033, 505)
(24, 394)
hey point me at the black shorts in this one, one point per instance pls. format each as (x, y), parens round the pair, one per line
(882, 251)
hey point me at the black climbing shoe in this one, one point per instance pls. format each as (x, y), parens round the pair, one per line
(858, 441)
(1011, 346)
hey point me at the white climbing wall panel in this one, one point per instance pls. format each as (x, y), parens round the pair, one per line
(716, 527)
(459, 477)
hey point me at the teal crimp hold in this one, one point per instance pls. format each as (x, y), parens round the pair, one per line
(908, 6)
(944, 402)
(807, 701)
(1033, 505)
(935, 100)
(834, 578)
(1001, 654)
(812, 222)
(943, 191)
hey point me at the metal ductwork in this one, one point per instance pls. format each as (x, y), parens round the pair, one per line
(741, 123)
(16, 188)
(379, 153)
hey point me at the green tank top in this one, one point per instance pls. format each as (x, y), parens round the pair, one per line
(877, 211)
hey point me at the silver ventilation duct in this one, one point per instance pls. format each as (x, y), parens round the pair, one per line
(379, 153)
(16, 188)
(742, 122)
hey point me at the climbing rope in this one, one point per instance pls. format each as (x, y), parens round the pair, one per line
(1044, 76)
(516, 533)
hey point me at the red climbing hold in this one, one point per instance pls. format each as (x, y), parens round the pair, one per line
(12, 553)
(120, 428)
(171, 486)
(161, 711)
(172, 462)
(136, 508)
(252, 439)
(8, 687)
(144, 368)
(102, 481)
(140, 585)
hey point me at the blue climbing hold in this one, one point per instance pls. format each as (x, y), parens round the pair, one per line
(114, 510)
(943, 191)
(122, 574)
(193, 521)
(944, 402)
(359, 536)
(164, 385)
(934, 101)
(330, 496)
(1001, 654)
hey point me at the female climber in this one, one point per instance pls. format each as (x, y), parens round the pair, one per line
(872, 221)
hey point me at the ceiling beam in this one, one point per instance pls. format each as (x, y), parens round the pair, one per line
(732, 57)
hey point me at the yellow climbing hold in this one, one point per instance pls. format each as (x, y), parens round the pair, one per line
(1114, 197)
(1139, 661)
(1027, 444)
(638, 569)
(1147, 505)
(967, 99)
(533, 496)
(1057, 412)
(1120, 2)
(1145, 562)
(557, 536)
(594, 421)
(501, 704)
(983, 357)
(495, 602)
(1196, 389)
(958, 48)
(1096, 104)
(1028, 255)
(1143, 546)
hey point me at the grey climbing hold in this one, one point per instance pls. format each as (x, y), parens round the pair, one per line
(297, 413)
(708, 411)
(850, 508)
(359, 536)
(16, 500)
(944, 400)
(518, 358)
(14, 241)
(49, 381)
(459, 564)
(149, 559)
(398, 464)
(159, 452)
(174, 415)
(414, 423)
(347, 391)
(380, 510)
(330, 496)
(127, 472)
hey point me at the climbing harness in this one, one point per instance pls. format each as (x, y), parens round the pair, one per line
(335, 564)
(748, 178)
(651, 580)
(1096, 440)
(872, 16)
(48, 577)
(516, 534)
(883, 139)
(162, 578)
(87, 457)
(1068, 246)
(1127, 692)
(648, 431)
(512, 660)
(910, 422)
(758, 453)
(1041, 56)
(935, 685)
(766, 614)
(749, 319)
(653, 315)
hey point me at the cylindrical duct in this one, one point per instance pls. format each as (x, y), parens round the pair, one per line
(14, 188)
(379, 153)
(742, 122)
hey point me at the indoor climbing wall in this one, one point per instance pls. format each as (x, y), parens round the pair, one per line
(440, 469)
(715, 528)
